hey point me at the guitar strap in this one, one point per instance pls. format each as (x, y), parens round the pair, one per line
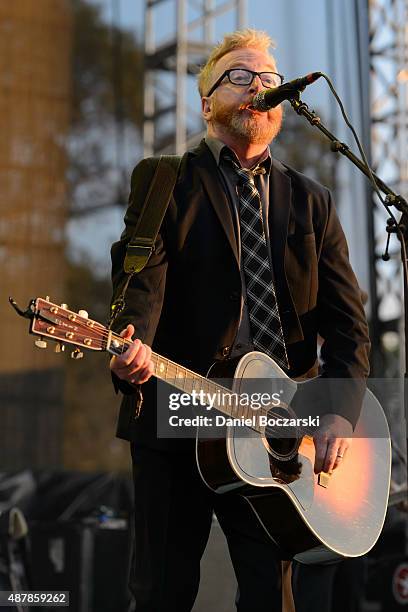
(141, 244)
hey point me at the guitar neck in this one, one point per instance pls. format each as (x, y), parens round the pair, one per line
(49, 320)
(183, 379)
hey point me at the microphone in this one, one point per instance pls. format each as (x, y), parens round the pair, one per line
(269, 98)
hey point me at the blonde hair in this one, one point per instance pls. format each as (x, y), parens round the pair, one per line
(255, 39)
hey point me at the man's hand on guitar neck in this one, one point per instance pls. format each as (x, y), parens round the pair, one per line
(135, 365)
(332, 439)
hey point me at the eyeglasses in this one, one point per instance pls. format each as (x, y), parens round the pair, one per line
(244, 77)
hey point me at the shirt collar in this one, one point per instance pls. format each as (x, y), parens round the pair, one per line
(217, 148)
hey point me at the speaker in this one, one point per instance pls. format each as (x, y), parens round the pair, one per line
(88, 559)
(388, 583)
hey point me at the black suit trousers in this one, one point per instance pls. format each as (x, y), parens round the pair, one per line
(173, 515)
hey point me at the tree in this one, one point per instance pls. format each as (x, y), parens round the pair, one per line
(107, 101)
(91, 406)
(107, 109)
(107, 64)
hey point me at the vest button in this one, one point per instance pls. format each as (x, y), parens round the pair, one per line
(225, 351)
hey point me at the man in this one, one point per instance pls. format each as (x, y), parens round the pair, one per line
(192, 304)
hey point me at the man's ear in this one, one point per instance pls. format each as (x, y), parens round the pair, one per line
(206, 108)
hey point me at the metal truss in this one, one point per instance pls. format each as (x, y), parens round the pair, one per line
(170, 124)
(388, 51)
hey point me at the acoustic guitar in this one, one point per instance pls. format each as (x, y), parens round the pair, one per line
(312, 517)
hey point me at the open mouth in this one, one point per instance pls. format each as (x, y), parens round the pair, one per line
(248, 107)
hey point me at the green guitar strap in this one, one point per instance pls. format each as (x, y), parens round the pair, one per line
(141, 245)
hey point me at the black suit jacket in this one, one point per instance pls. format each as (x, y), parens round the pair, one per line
(186, 302)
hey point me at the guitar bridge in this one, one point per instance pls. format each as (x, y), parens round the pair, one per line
(323, 479)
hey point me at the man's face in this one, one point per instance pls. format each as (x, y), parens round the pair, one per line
(227, 108)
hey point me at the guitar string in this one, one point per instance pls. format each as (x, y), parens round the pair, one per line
(125, 343)
(210, 383)
(103, 333)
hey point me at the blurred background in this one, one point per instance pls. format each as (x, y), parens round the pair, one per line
(88, 87)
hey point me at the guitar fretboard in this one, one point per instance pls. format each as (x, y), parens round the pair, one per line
(189, 382)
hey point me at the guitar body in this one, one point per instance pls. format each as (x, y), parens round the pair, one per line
(308, 521)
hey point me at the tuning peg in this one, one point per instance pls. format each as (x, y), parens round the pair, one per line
(59, 347)
(40, 343)
(83, 313)
(77, 354)
(64, 306)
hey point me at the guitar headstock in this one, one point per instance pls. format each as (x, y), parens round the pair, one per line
(57, 322)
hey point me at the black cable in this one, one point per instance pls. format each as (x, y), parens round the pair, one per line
(362, 153)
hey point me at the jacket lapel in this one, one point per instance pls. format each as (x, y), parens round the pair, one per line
(207, 170)
(279, 213)
(280, 202)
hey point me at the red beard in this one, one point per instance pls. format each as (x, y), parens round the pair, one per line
(250, 127)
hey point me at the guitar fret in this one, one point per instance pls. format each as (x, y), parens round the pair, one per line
(78, 329)
(155, 362)
(189, 382)
(171, 370)
(207, 387)
(161, 368)
(183, 377)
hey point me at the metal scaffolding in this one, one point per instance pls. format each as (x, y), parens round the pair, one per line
(170, 124)
(388, 50)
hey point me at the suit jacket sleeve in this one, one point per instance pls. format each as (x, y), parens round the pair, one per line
(342, 325)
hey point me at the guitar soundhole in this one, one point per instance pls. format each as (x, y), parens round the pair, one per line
(281, 440)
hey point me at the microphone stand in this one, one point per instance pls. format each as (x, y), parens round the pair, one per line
(400, 228)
